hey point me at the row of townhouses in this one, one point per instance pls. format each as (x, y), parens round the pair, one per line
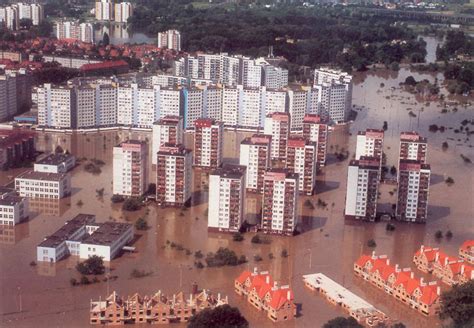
(399, 283)
(450, 270)
(364, 175)
(105, 103)
(155, 309)
(266, 295)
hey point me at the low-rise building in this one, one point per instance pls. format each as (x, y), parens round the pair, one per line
(358, 308)
(43, 185)
(55, 163)
(13, 209)
(266, 295)
(466, 251)
(83, 237)
(399, 283)
(158, 308)
(451, 270)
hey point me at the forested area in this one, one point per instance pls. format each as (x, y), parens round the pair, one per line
(305, 36)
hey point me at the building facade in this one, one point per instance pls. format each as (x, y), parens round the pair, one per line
(33, 184)
(413, 147)
(170, 39)
(301, 158)
(13, 209)
(316, 131)
(255, 155)
(174, 174)
(413, 191)
(168, 130)
(55, 163)
(278, 126)
(130, 173)
(226, 198)
(362, 188)
(280, 200)
(208, 143)
(370, 143)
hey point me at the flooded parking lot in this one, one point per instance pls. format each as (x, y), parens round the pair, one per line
(328, 243)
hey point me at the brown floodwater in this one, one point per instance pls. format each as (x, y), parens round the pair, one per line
(328, 244)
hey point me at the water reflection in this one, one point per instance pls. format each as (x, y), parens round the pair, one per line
(120, 34)
(10, 235)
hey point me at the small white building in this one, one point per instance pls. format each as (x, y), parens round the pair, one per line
(13, 209)
(43, 185)
(55, 163)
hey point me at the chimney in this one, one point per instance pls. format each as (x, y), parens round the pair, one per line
(194, 288)
(275, 285)
(255, 271)
(373, 255)
(387, 261)
(397, 268)
(422, 282)
(422, 248)
(438, 290)
(437, 257)
(218, 297)
(446, 261)
(462, 269)
(472, 274)
(412, 275)
(288, 294)
(267, 279)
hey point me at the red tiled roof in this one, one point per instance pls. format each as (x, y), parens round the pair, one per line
(429, 294)
(363, 260)
(243, 276)
(279, 298)
(104, 65)
(467, 244)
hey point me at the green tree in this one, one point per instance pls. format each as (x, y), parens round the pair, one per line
(221, 316)
(341, 322)
(458, 304)
(106, 39)
(93, 265)
(141, 224)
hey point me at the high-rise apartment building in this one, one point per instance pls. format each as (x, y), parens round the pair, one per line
(297, 105)
(170, 39)
(213, 102)
(280, 197)
(104, 10)
(130, 173)
(208, 143)
(8, 96)
(57, 106)
(167, 130)
(278, 126)
(413, 147)
(11, 15)
(362, 188)
(73, 30)
(274, 101)
(226, 198)
(334, 94)
(316, 131)
(370, 143)
(413, 190)
(193, 106)
(230, 105)
(255, 154)
(251, 73)
(275, 77)
(301, 155)
(251, 111)
(122, 11)
(174, 174)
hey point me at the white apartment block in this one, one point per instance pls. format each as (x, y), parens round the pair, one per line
(73, 30)
(297, 105)
(86, 107)
(370, 143)
(362, 188)
(278, 126)
(208, 143)
(226, 198)
(274, 101)
(275, 77)
(130, 173)
(174, 175)
(167, 130)
(316, 131)
(255, 155)
(33, 184)
(11, 15)
(55, 163)
(104, 10)
(193, 106)
(170, 39)
(106, 105)
(230, 70)
(13, 209)
(280, 199)
(251, 74)
(413, 190)
(251, 113)
(171, 102)
(56, 106)
(413, 147)
(122, 11)
(230, 105)
(213, 103)
(210, 67)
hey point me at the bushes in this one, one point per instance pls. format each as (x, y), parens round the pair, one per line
(390, 227)
(449, 181)
(140, 273)
(256, 240)
(371, 243)
(93, 265)
(237, 237)
(131, 204)
(222, 257)
(141, 224)
(117, 199)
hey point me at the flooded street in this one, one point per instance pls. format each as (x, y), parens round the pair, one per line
(328, 244)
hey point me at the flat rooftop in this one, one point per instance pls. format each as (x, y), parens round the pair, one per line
(230, 171)
(32, 175)
(337, 292)
(55, 159)
(107, 233)
(67, 230)
(10, 200)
